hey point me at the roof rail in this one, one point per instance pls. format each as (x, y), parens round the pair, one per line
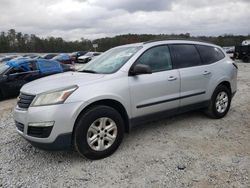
(187, 39)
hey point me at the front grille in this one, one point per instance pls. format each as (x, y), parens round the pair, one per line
(19, 126)
(25, 100)
(40, 132)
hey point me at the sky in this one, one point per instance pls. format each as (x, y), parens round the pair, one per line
(91, 19)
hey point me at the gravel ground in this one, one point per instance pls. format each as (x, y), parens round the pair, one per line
(188, 150)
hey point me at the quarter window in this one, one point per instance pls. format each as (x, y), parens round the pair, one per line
(185, 55)
(210, 54)
(157, 58)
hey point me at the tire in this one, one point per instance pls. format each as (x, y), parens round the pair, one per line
(97, 145)
(1, 95)
(218, 107)
(246, 59)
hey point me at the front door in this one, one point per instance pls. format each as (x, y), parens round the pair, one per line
(159, 91)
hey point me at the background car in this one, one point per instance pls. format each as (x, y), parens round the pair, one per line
(230, 51)
(32, 56)
(74, 56)
(48, 56)
(19, 58)
(63, 58)
(14, 74)
(7, 58)
(88, 57)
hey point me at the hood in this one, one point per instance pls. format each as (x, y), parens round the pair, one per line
(60, 81)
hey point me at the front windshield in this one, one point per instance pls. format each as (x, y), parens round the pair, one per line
(111, 61)
(3, 67)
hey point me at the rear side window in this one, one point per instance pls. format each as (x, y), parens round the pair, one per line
(185, 55)
(157, 58)
(32, 65)
(210, 54)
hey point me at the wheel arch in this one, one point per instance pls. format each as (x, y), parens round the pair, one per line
(227, 84)
(111, 103)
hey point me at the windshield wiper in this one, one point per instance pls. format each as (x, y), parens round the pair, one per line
(88, 71)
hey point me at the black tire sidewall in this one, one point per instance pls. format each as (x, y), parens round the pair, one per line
(1, 95)
(246, 59)
(82, 126)
(219, 89)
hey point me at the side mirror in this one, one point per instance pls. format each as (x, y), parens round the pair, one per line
(141, 69)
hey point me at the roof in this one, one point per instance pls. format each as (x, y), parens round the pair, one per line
(19, 63)
(168, 41)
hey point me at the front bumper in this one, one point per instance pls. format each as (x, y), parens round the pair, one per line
(53, 137)
(62, 142)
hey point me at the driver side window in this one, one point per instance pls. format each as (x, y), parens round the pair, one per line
(15, 70)
(157, 58)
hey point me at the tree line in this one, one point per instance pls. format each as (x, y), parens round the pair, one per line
(12, 41)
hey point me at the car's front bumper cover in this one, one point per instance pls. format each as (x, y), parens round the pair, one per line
(35, 125)
(62, 142)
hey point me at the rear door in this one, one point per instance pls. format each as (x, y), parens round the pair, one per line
(194, 76)
(159, 91)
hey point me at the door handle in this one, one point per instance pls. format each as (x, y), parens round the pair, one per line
(206, 73)
(172, 78)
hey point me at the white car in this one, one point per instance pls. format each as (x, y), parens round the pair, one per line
(128, 85)
(87, 57)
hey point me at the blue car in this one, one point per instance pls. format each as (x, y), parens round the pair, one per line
(15, 73)
(63, 58)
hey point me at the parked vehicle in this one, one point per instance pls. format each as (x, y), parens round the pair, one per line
(63, 58)
(230, 51)
(74, 56)
(88, 57)
(245, 43)
(48, 56)
(125, 86)
(7, 58)
(243, 53)
(20, 58)
(14, 74)
(31, 56)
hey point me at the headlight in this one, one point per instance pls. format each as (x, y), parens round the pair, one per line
(53, 97)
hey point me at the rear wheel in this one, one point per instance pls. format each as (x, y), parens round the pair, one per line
(98, 132)
(1, 95)
(246, 59)
(220, 102)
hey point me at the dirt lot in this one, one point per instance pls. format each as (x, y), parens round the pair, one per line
(188, 150)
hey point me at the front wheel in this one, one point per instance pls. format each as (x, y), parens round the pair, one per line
(220, 102)
(98, 132)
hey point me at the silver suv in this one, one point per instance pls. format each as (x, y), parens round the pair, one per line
(125, 86)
